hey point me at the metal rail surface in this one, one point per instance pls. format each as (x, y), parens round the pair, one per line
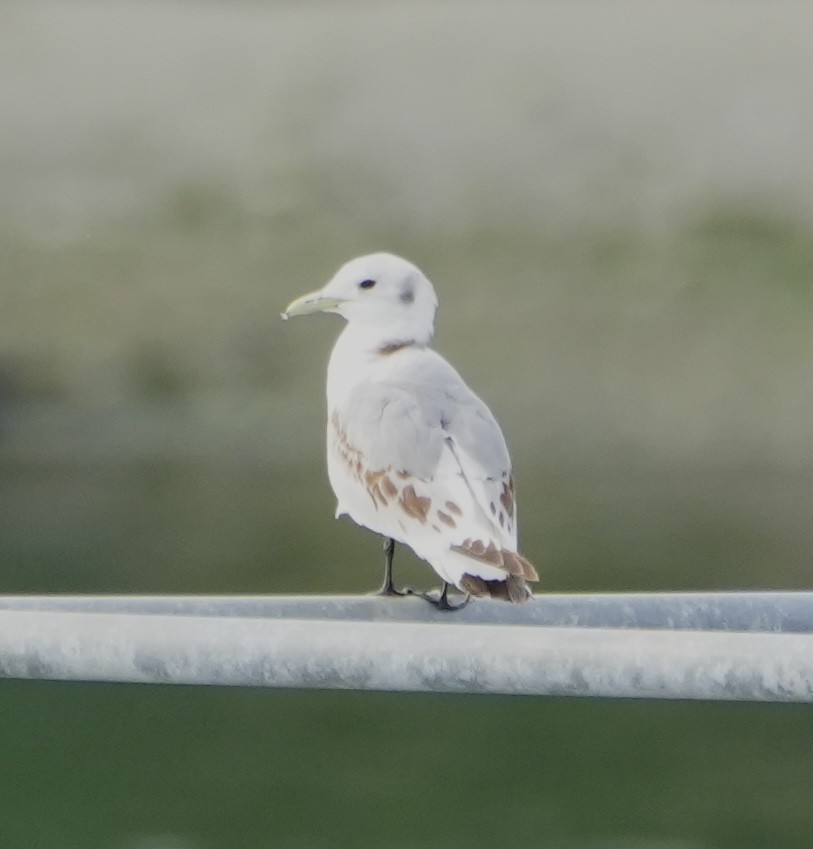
(721, 646)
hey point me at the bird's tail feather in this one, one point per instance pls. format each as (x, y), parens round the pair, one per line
(513, 588)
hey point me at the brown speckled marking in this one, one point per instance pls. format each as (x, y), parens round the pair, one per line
(373, 481)
(453, 508)
(507, 496)
(352, 457)
(477, 549)
(493, 507)
(446, 519)
(414, 505)
(502, 519)
(390, 489)
(511, 561)
(392, 347)
(403, 474)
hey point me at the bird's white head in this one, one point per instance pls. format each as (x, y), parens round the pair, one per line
(386, 300)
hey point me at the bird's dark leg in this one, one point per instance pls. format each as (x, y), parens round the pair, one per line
(441, 602)
(388, 588)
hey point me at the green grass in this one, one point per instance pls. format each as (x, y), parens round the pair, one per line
(249, 769)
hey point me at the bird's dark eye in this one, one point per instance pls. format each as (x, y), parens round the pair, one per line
(367, 284)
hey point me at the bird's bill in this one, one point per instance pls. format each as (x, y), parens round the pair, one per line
(311, 303)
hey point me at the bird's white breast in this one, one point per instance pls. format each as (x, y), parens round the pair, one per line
(349, 466)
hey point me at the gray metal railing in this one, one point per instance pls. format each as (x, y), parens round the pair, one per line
(726, 646)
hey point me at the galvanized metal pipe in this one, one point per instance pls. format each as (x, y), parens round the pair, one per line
(451, 655)
(781, 612)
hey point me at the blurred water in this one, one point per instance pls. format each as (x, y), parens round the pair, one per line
(614, 204)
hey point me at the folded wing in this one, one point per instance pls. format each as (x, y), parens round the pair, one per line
(430, 468)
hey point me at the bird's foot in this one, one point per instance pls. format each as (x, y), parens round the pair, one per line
(388, 589)
(440, 599)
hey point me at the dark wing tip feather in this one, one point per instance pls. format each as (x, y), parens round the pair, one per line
(512, 589)
(518, 564)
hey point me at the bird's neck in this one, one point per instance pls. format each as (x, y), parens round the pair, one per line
(359, 354)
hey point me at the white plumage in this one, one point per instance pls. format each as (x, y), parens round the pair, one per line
(413, 454)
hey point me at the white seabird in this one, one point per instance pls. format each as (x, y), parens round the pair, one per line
(412, 453)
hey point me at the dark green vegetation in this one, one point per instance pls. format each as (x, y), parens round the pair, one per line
(96, 766)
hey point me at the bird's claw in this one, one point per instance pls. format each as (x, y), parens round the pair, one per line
(389, 590)
(441, 600)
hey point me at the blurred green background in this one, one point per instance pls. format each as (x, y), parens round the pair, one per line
(615, 203)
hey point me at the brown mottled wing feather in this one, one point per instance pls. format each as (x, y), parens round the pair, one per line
(510, 561)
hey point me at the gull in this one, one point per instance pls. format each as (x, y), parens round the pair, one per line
(412, 453)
